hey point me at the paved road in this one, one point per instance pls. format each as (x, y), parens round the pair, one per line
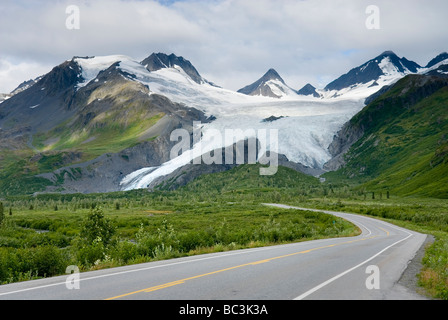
(341, 268)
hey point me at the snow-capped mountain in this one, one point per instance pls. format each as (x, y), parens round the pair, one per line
(437, 66)
(157, 61)
(4, 96)
(443, 57)
(269, 85)
(86, 96)
(371, 76)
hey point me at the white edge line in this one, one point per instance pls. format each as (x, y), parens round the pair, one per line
(129, 271)
(193, 260)
(323, 284)
(243, 251)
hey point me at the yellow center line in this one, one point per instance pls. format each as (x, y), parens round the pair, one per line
(387, 232)
(174, 283)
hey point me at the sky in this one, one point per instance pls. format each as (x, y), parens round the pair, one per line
(230, 42)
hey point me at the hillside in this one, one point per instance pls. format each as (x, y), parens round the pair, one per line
(103, 123)
(399, 142)
(80, 131)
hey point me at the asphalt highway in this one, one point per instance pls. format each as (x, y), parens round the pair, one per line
(365, 267)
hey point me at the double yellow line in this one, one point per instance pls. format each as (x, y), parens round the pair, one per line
(175, 283)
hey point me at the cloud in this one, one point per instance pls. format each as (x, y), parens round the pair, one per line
(11, 75)
(231, 42)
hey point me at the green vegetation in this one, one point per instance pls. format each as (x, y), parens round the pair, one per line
(404, 148)
(216, 212)
(107, 135)
(104, 230)
(109, 120)
(397, 171)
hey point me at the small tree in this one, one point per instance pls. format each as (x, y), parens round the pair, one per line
(96, 226)
(96, 237)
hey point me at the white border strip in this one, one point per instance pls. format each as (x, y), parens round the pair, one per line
(304, 295)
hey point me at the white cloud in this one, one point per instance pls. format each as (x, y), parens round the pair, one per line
(11, 75)
(231, 42)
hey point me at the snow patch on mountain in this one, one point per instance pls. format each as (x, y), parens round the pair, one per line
(306, 124)
(390, 75)
(92, 66)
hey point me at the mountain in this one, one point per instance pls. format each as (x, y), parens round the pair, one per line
(4, 96)
(100, 124)
(269, 85)
(439, 58)
(308, 90)
(398, 142)
(157, 61)
(85, 125)
(23, 86)
(437, 66)
(372, 75)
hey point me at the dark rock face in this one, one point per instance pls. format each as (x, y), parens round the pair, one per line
(341, 143)
(436, 60)
(260, 87)
(44, 104)
(371, 71)
(308, 90)
(441, 71)
(157, 61)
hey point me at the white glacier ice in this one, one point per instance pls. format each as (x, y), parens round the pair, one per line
(305, 130)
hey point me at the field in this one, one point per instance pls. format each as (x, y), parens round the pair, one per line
(42, 235)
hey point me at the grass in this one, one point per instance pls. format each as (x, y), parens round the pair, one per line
(146, 227)
(404, 147)
(92, 142)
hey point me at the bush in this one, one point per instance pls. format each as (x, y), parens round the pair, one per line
(48, 261)
(124, 252)
(92, 253)
(25, 264)
(95, 227)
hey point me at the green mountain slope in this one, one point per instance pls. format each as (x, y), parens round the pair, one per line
(98, 133)
(245, 182)
(403, 145)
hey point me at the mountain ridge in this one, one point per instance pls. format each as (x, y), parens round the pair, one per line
(270, 84)
(385, 65)
(398, 141)
(90, 119)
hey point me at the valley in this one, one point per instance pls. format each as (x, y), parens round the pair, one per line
(89, 144)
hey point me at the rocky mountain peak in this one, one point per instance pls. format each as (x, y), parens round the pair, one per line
(157, 61)
(436, 60)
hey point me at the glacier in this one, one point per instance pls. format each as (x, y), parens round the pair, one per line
(305, 130)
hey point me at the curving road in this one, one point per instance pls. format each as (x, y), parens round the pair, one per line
(364, 267)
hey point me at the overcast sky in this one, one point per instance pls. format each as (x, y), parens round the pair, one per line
(231, 42)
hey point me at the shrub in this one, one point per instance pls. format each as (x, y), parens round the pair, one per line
(96, 226)
(48, 261)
